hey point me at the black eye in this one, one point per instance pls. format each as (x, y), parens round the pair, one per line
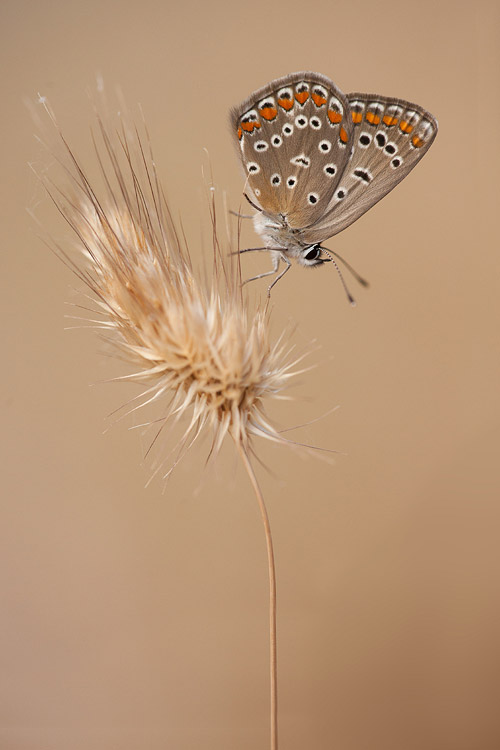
(313, 253)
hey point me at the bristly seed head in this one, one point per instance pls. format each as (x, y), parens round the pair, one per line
(198, 347)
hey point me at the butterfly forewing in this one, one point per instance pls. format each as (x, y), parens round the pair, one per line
(295, 138)
(390, 137)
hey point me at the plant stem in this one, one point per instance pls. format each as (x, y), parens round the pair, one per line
(272, 597)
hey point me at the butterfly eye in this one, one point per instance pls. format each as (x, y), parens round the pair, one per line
(313, 253)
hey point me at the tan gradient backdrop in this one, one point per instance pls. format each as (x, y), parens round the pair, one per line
(136, 619)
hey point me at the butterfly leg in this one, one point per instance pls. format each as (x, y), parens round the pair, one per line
(280, 276)
(250, 250)
(276, 262)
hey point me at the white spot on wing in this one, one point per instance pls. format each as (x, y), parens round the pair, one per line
(320, 91)
(426, 129)
(393, 110)
(250, 116)
(301, 160)
(261, 145)
(336, 105)
(376, 108)
(411, 117)
(268, 101)
(363, 175)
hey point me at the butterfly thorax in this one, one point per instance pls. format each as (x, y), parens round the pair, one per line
(288, 242)
(279, 235)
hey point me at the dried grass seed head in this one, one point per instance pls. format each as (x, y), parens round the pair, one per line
(198, 346)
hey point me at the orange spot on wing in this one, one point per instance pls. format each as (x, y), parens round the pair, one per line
(390, 121)
(356, 117)
(249, 126)
(318, 99)
(343, 135)
(405, 126)
(286, 103)
(417, 142)
(302, 96)
(372, 118)
(268, 113)
(240, 133)
(334, 116)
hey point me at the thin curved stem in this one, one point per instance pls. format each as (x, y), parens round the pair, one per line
(272, 596)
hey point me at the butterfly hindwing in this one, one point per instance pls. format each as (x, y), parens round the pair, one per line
(390, 137)
(295, 137)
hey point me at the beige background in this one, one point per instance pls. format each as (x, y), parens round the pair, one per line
(136, 619)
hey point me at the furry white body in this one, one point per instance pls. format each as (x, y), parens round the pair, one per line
(282, 239)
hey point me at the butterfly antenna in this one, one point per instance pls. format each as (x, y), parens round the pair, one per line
(353, 271)
(351, 299)
(240, 216)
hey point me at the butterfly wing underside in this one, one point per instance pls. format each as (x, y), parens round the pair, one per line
(294, 138)
(390, 137)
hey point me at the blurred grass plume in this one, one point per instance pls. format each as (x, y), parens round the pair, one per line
(195, 343)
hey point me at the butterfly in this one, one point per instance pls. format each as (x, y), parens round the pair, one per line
(316, 159)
